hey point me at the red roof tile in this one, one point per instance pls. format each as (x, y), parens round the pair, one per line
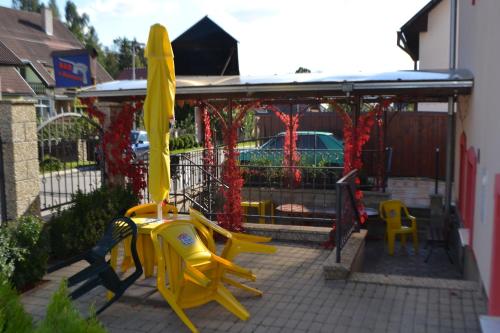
(12, 83)
(23, 34)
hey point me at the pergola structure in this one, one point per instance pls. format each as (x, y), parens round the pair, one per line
(400, 86)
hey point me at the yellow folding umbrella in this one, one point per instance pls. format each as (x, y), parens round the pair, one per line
(159, 110)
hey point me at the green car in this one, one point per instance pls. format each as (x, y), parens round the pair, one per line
(314, 148)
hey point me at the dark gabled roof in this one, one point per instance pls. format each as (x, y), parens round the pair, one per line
(206, 49)
(12, 83)
(200, 30)
(7, 57)
(22, 33)
(412, 29)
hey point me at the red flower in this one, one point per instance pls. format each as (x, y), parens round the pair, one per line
(116, 144)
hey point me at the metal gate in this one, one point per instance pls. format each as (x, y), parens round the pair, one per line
(70, 158)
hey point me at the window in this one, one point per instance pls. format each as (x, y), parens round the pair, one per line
(319, 143)
(494, 299)
(305, 142)
(470, 195)
(43, 110)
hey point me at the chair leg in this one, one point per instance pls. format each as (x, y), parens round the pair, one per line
(242, 286)
(403, 240)
(178, 310)
(390, 242)
(245, 213)
(227, 300)
(262, 213)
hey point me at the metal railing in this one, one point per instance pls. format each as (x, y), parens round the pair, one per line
(300, 194)
(347, 219)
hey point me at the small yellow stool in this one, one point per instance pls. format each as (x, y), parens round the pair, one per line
(261, 208)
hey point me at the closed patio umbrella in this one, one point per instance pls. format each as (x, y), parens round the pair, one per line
(159, 110)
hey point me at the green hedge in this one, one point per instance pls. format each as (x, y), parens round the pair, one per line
(61, 317)
(24, 248)
(183, 142)
(78, 228)
(32, 236)
(51, 163)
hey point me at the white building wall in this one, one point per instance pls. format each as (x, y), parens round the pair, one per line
(435, 42)
(479, 51)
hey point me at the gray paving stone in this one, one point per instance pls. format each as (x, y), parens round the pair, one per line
(297, 299)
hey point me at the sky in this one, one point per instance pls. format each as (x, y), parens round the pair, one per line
(275, 36)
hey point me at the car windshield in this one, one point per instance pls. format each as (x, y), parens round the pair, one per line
(274, 143)
(133, 137)
(137, 137)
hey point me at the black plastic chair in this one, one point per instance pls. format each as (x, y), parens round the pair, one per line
(100, 271)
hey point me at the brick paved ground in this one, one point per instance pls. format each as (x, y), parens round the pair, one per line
(296, 299)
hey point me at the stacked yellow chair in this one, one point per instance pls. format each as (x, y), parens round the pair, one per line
(236, 243)
(390, 212)
(194, 273)
(144, 210)
(150, 210)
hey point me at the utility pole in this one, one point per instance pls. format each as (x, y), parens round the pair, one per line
(134, 45)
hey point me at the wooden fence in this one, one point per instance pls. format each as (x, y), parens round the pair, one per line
(413, 136)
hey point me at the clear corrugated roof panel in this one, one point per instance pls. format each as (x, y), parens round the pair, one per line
(245, 83)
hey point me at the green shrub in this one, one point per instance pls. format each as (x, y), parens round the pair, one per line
(61, 317)
(78, 228)
(51, 163)
(10, 254)
(30, 235)
(13, 318)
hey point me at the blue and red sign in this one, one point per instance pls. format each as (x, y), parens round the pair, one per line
(72, 70)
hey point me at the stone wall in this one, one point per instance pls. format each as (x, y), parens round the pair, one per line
(20, 158)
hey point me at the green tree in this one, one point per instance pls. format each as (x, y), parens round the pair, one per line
(125, 47)
(301, 70)
(27, 5)
(55, 9)
(110, 61)
(75, 22)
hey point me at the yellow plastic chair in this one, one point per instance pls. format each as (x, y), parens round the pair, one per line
(390, 212)
(194, 272)
(150, 210)
(236, 243)
(144, 245)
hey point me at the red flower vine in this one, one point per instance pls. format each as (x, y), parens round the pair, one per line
(231, 217)
(208, 158)
(354, 140)
(291, 157)
(116, 144)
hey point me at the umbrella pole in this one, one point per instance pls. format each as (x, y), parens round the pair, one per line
(160, 213)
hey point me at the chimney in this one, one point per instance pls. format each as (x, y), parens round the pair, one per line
(47, 23)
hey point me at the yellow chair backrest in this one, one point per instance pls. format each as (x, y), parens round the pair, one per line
(199, 217)
(150, 210)
(390, 211)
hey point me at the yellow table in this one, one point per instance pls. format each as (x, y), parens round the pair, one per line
(144, 244)
(261, 208)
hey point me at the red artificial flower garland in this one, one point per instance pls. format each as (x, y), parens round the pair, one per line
(354, 140)
(291, 157)
(231, 217)
(116, 144)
